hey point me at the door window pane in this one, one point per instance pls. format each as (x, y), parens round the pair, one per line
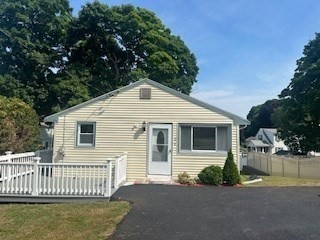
(159, 145)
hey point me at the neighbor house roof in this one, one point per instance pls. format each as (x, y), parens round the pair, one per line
(272, 130)
(238, 120)
(257, 143)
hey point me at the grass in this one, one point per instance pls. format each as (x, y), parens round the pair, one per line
(273, 181)
(61, 221)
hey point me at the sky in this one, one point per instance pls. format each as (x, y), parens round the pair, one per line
(246, 50)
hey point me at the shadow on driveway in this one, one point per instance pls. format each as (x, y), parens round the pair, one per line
(178, 212)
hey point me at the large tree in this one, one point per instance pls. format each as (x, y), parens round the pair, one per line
(261, 116)
(32, 39)
(299, 117)
(110, 47)
(53, 60)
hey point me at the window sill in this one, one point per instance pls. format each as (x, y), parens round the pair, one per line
(84, 146)
(204, 153)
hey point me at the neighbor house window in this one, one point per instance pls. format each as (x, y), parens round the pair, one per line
(86, 134)
(203, 138)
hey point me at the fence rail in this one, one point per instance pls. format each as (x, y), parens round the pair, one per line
(18, 158)
(55, 179)
(285, 166)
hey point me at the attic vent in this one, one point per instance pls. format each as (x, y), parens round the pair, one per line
(145, 93)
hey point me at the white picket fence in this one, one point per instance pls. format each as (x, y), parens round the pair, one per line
(29, 177)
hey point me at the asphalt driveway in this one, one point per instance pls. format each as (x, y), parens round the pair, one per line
(178, 212)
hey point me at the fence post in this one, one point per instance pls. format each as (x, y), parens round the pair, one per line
(109, 179)
(270, 165)
(8, 153)
(260, 161)
(35, 178)
(126, 162)
(116, 171)
(298, 167)
(282, 160)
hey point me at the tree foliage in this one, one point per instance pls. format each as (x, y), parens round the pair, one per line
(53, 60)
(261, 116)
(19, 130)
(32, 35)
(299, 117)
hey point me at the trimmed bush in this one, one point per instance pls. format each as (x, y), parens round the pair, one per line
(230, 172)
(211, 175)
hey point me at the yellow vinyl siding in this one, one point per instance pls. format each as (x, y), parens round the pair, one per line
(115, 118)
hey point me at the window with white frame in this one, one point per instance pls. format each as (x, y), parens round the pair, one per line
(203, 138)
(86, 134)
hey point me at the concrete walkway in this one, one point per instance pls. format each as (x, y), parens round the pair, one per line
(178, 212)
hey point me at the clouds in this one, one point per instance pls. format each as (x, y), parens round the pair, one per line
(237, 102)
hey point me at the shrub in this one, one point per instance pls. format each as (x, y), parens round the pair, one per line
(230, 172)
(183, 178)
(211, 175)
(19, 130)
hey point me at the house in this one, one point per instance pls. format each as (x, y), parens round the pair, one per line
(266, 140)
(164, 131)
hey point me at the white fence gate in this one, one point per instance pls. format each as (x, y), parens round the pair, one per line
(22, 174)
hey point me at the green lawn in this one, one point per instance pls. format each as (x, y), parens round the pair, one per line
(61, 221)
(282, 181)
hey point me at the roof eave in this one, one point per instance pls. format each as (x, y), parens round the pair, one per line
(237, 119)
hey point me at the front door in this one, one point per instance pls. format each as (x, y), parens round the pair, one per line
(160, 152)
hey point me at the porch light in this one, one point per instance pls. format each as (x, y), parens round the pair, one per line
(143, 126)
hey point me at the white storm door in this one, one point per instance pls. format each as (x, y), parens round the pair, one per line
(160, 152)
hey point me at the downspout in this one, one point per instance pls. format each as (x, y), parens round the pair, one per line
(238, 153)
(241, 128)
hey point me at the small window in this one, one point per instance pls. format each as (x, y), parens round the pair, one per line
(86, 134)
(260, 137)
(203, 138)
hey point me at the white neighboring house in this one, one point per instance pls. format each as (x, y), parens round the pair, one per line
(267, 141)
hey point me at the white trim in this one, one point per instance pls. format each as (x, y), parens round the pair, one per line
(192, 125)
(159, 168)
(78, 133)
